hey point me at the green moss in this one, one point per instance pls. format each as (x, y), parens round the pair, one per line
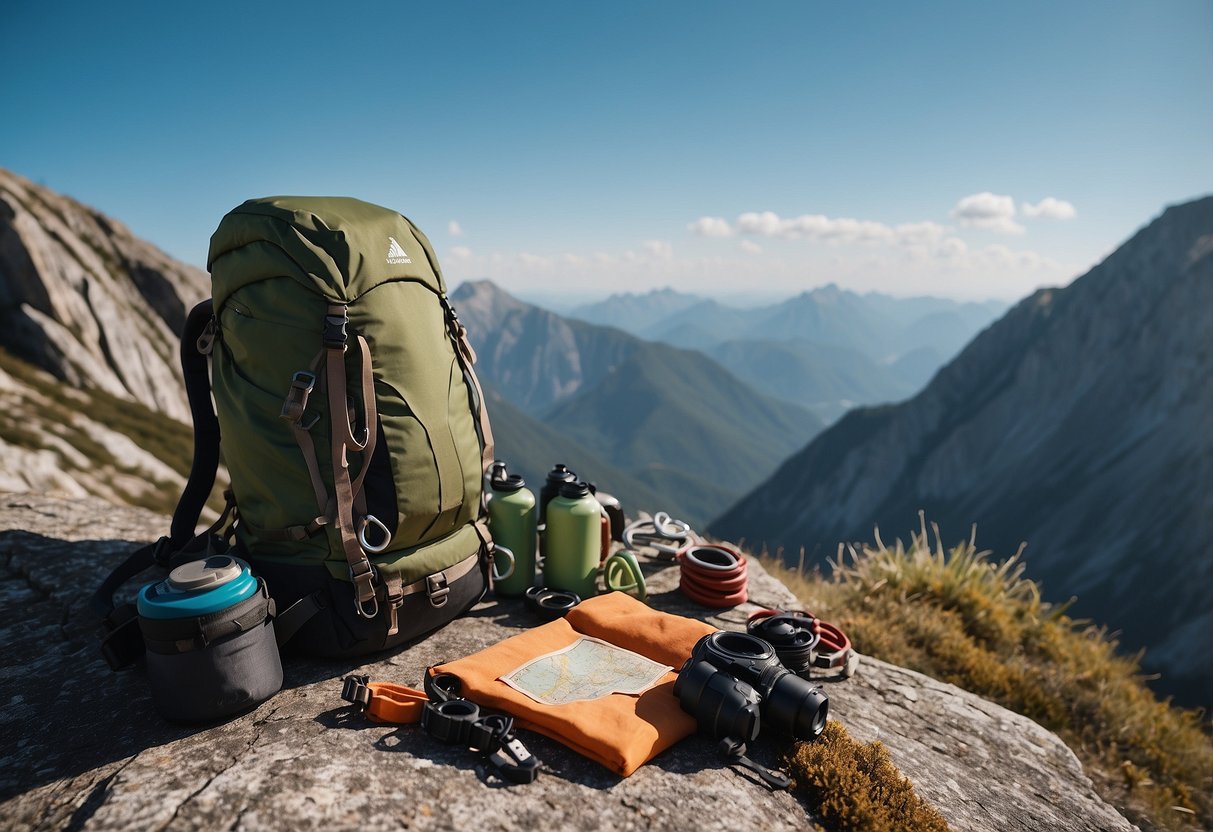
(857, 787)
(960, 617)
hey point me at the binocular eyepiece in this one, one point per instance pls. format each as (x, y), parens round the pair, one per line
(734, 682)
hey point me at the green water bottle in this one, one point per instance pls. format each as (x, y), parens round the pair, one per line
(512, 523)
(573, 543)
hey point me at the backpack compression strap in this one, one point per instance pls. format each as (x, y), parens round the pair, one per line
(467, 358)
(122, 643)
(362, 574)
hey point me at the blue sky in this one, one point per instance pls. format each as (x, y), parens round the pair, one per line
(573, 149)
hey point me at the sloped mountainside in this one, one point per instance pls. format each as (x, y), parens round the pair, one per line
(674, 420)
(826, 349)
(86, 300)
(91, 400)
(1079, 422)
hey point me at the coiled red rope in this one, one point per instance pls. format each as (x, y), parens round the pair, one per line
(713, 575)
(833, 650)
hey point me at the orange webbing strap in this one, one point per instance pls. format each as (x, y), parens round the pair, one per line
(384, 701)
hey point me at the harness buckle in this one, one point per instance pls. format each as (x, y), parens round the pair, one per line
(356, 690)
(513, 761)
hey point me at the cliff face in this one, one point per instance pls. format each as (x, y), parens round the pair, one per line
(84, 299)
(1079, 422)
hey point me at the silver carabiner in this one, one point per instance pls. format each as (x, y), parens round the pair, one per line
(373, 548)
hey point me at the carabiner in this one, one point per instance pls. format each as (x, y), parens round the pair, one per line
(373, 548)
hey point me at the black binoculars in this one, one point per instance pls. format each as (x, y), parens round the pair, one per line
(734, 682)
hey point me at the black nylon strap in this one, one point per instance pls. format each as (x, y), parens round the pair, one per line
(288, 622)
(194, 367)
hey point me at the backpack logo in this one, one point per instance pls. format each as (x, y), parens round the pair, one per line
(396, 255)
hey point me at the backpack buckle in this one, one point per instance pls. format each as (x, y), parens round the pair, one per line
(334, 328)
(302, 385)
(206, 341)
(437, 590)
(366, 604)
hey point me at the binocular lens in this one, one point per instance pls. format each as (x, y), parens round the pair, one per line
(795, 707)
(739, 645)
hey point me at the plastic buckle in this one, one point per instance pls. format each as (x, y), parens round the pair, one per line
(356, 690)
(302, 385)
(441, 687)
(364, 590)
(514, 762)
(437, 590)
(334, 336)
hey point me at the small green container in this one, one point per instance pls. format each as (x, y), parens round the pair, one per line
(573, 541)
(512, 517)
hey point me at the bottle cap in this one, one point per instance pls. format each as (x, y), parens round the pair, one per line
(575, 490)
(514, 482)
(204, 574)
(561, 473)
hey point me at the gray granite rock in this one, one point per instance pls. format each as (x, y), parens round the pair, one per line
(85, 299)
(83, 749)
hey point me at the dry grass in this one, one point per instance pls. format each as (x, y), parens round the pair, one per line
(857, 787)
(963, 618)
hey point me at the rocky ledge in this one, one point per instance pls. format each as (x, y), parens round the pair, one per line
(83, 748)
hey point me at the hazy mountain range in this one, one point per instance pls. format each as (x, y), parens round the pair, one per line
(1081, 422)
(673, 420)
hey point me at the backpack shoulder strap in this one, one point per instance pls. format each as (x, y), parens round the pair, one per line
(121, 643)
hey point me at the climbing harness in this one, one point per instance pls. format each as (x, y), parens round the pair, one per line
(447, 718)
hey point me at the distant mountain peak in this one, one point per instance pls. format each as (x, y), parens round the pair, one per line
(1079, 422)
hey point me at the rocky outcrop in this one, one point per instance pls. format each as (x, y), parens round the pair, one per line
(1079, 422)
(84, 749)
(86, 300)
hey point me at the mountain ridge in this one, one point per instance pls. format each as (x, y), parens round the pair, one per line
(1034, 431)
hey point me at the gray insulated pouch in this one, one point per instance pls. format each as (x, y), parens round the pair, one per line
(213, 666)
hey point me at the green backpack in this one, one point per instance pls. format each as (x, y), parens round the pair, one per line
(352, 423)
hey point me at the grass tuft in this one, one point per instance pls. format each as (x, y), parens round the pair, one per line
(959, 616)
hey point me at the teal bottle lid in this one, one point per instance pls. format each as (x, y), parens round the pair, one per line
(200, 587)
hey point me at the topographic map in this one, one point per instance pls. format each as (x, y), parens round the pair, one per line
(589, 668)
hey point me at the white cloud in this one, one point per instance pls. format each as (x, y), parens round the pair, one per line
(751, 247)
(454, 229)
(1049, 208)
(987, 211)
(460, 253)
(838, 229)
(659, 249)
(711, 227)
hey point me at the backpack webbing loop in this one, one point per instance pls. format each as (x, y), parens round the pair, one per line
(362, 574)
